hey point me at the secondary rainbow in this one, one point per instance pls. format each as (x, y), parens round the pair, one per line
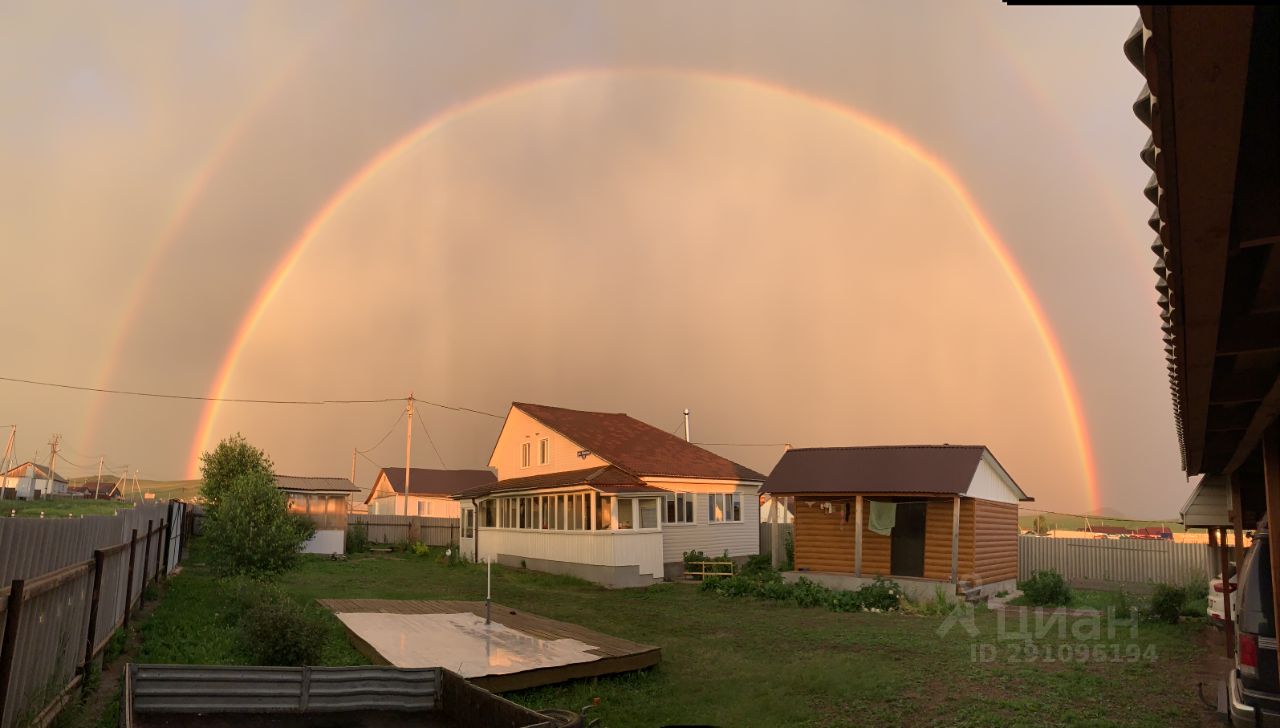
(280, 273)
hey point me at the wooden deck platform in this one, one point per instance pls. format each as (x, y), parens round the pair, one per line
(615, 655)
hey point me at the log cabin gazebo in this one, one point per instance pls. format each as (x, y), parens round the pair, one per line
(951, 512)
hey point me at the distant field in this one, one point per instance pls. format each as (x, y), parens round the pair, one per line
(61, 508)
(163, 489)
(1071, 523)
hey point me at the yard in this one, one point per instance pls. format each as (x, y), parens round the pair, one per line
(748, 662)
(61, 507)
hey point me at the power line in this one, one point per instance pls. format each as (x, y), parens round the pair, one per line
(741, 444)
(384, 437)
(196, 398)
(433, 442)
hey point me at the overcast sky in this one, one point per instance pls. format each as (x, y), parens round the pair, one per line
(632, 207)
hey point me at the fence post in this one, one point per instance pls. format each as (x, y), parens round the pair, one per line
(168, 541)
(11, 616)
(128, 589)
(99, 560)
(146, 563)
(159, 534)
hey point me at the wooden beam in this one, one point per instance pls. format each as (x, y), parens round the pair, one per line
(955, 540)
(1237, 520)
(1271, 477)
(1258, 332)
(1264, 416)
(857, 536)
(1228, 623)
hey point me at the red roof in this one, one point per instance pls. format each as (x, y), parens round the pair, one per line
(638, 448)
(607, 479)
(1111, 530)
(441, 483)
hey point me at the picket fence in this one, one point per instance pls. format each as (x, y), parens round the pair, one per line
(69, 584)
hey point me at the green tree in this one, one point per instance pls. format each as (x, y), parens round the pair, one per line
(1040, 525)
(232, 458)
(250, 530)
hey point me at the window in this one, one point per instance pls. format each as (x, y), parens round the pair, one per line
(648, 512)
(488, 514)
(524, 454)
(468, 523)
(626, 514)
(575, 513)
(604, 512)
(560, 512)
(524, 510)
(544, 451)
(679, 508)
(422, 508)
(724, 507)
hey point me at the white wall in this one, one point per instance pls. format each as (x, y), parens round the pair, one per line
(520, 428)
(642, 549)
(713, 539)
(988, 484)
(325, 542)
(433, 507)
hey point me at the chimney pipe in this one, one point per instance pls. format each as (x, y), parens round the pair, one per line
(686, 425)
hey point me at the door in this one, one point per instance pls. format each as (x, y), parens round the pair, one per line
(906, 541)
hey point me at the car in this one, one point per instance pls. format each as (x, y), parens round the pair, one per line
(1252, 688)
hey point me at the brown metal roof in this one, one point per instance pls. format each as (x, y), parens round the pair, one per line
(41, 472)
(878, 469)
(315, 485)
(607, 479)
(427, 482)
(636, 447)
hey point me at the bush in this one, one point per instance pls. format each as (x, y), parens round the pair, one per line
(881, 595)
(251, 530)
(789, 542)
(807, 593)
(758, 565)
(275, 630)
(419, 549)
(233, 458)
(357, 538)
(1046, 589)
(1166, 603)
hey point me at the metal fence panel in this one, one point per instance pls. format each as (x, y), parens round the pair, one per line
(430, 530)
(1086, 561)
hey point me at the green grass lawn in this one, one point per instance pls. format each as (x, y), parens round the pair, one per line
(61, 507)
(749, 662)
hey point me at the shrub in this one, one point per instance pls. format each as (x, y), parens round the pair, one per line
(251, 531)
(357, 538)
(758, 565)
(419, 549)
(806, 593)
(774, 589)
(789, 542)
(881, 594)
(233, 458)
(845, 601)
(276, 630)
(1166, 603)
(1046, 589)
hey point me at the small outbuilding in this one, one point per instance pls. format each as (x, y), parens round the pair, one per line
(326, 502)
(31, 481)
(923, 515)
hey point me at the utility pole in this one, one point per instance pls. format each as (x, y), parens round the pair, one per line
(8, 454)
(353, 478)
(408, 451)
(53, 460)
(137, 488)
(686, 424)
(98, 484)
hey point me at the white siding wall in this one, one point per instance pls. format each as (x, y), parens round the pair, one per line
(642, 549)
(433, 507)
(325, 542)
(989, 485)
(713, 539)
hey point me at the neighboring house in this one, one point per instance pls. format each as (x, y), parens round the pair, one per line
(430, 491)
(106, 489)
(325, 501)
(921, 515)
(606, 497)
(30, 481)
(775, 510)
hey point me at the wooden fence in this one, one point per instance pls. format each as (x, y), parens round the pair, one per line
(766, 537)
(429, 530)
(70, 583)
(1088, 562)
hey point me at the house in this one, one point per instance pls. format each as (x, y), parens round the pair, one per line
(430, 491)
(30, 481)
(775, 510)
(108, 488)
(325, 501)
(607, 498)
(925, 516)
(1105, 530)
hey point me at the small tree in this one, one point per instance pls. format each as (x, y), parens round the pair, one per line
(232, 458)
(1040, 525)
(251, 531)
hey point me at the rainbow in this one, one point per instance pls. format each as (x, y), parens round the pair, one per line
(449, 115)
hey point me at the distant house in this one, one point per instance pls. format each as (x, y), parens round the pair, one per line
(108, 488)
(606, 497)
(30, 481)
(923, 516)
(1107, 530)
(430, 491)
(325, 502)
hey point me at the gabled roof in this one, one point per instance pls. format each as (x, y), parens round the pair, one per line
(105, 489)
(638, 448)
(41, 472)
(315, 485)
(882, 469)
(427, 482)
(1209, 504)
(607, 479)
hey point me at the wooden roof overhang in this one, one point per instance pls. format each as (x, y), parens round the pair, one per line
(1213, 107)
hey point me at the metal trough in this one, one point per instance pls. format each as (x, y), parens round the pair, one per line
(374, 697)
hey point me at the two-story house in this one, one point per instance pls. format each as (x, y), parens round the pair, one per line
(607, 498)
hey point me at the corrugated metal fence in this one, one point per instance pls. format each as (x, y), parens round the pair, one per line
(69, 583)
(429, 530)
(1099, 562)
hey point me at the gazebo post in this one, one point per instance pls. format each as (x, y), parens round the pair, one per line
(1237, 520)
(1230, 630)
(857, 536)
(1271, 477)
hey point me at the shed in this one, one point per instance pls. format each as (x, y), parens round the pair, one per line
(923, 515)
(326, 501)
